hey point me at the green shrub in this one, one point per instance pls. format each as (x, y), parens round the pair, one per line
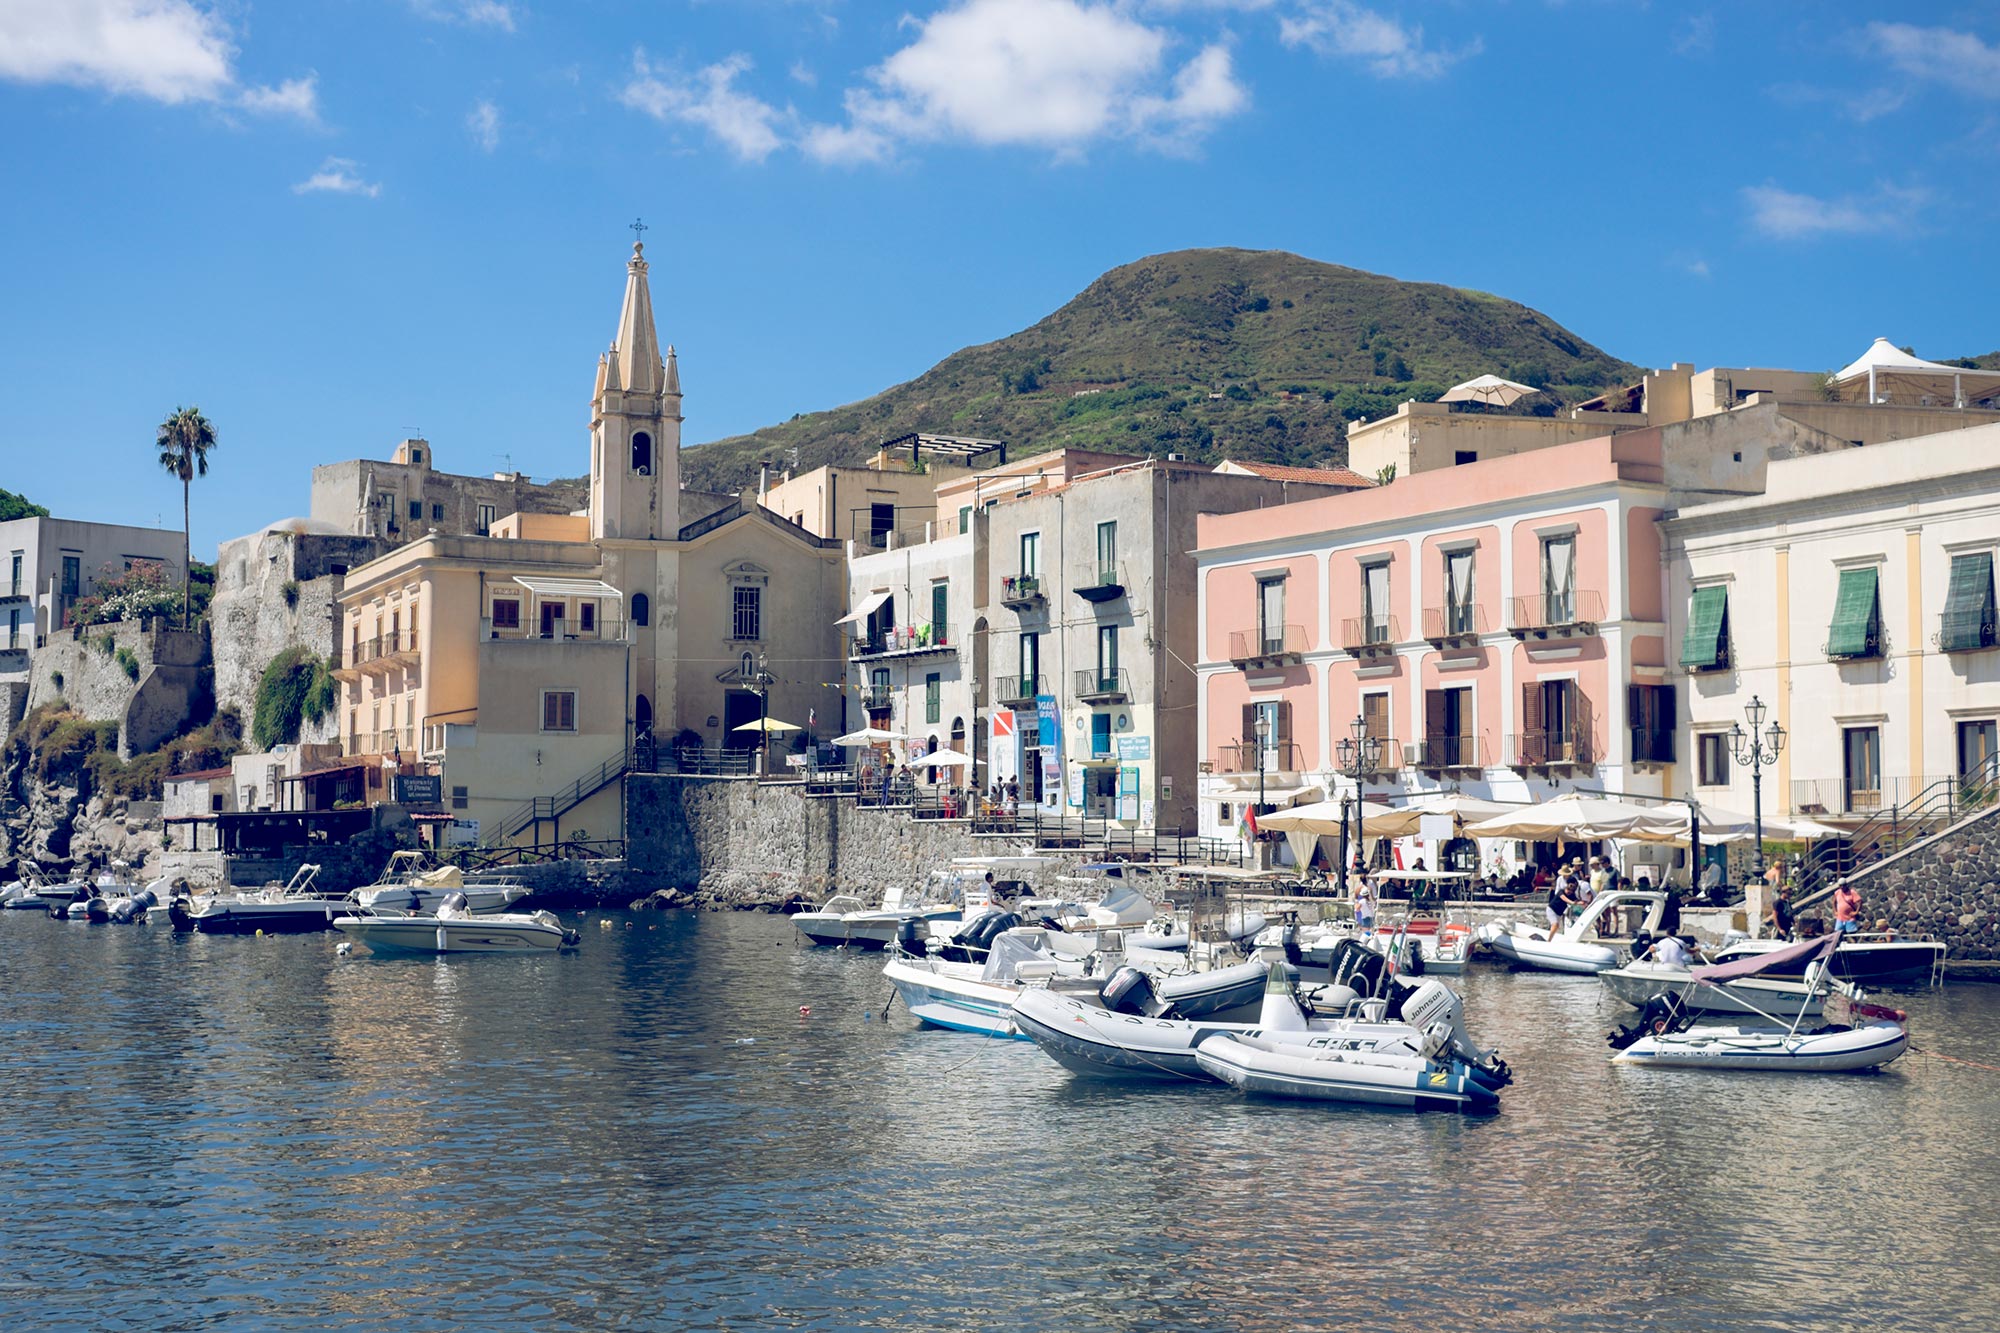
(128, 660)
(56, 677)
(105, 644)
(290, 592)
(297, 687)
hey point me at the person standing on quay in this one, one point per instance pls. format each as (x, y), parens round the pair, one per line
(1846, 909)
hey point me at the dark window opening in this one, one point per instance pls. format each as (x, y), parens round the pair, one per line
(642, 608)
(642, 454)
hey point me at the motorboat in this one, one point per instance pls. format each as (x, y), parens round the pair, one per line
(412, 883)
(1639, 983)
(1586, 944)
(845, 920)
(34, 893)
(454, 928)
(1869, 959)
(293, 906)
(1126, 1031)
(1420, 945)
(1858, 1035)
(958, 987)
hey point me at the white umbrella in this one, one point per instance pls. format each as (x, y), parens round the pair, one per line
(869, 736)
(1405, 820)
(1488, 389)
(1578, 818)
(768, 725)
(1319, 817)
(1806, 828)
(944, 759)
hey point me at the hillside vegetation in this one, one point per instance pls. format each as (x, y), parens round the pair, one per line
(1254, 355)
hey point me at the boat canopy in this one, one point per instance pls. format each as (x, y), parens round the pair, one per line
(1009, 951)
(1810, 950)
(1124, 906)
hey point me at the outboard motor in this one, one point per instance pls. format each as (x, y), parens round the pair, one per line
(1662, 1014)
(1640, 943)
(454, 904)
(1288, 940)
(127, 910)
(97, 909)
(1355, 965)
(975, 939)
(181, 912)
(1412, 961)
(1130, 991)
(912, 937)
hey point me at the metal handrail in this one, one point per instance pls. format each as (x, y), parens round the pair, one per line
(1103, 681)
(1454, 622)
(1251, 645)
(1540, 613)
(1020, 689)
(1371, 632)
(1899, 827)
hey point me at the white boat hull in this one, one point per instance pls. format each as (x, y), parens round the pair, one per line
(1638, 983)
(1866, 1047)
(1313, 1072)
(867, 930)
(421, 899)
(512, 933)
(935, 994)
(1528, 950)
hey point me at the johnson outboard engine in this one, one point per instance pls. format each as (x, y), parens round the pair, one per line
(1130, 991)
(1436, 1010)
(1355, 965)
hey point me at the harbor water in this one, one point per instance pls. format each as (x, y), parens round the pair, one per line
(648, 1133)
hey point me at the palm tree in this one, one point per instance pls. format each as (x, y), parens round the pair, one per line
(185, 439)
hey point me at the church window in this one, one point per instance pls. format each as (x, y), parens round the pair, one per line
(642, 454)
(642, 608)
(749, 608)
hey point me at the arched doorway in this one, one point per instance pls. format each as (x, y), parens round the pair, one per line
(642, 716)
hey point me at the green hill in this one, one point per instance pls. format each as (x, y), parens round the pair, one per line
(1257, 355)
(19, 506)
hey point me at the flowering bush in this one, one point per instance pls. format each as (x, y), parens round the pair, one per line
(141, 590)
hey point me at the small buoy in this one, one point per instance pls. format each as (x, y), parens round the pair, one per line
(746, 1041)
(344, 948)
(260, 933)
(604, 925)
(805, 1011)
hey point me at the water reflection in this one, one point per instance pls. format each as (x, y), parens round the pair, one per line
(648, 1134)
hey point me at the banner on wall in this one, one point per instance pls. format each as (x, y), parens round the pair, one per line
(1049, 717)
(1003, 748)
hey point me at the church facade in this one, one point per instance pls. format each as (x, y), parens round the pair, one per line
(524, 664)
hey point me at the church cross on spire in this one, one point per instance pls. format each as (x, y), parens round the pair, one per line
(638, 228)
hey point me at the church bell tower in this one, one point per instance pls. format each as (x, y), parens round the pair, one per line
(635, 425)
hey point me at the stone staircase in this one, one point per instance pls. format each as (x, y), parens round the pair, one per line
(1944, 884)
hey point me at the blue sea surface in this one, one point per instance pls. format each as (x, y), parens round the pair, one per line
(256, 1133)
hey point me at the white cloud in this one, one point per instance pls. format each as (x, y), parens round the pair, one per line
(1956, 59)
(167, 50)
(293, 97)
(1036, 73)
(801, 72)
(1694, 35)
(1787, 215)
(338, 175)
(745, 124)
(1697, 268)
(472, 13)
(1390, 48)
(484, 122)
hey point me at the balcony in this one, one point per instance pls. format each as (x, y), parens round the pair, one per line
(1109, 685)
(1450, 754)
(1454, 626)
(1100, 582)
(919, 641)
(1370, 636)
(1967, 634)
(1022, 592)
(1556, 750)
(1832, 797)
(1545, 617)
(1020, 691)
(877, 698)
(1271, 646)
(1242, 757)
(379, 656)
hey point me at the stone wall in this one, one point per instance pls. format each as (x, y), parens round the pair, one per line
(1947, 886)
(171, 689)
(254, 620)
(734, 843)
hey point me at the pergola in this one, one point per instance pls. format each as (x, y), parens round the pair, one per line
(1886, 373)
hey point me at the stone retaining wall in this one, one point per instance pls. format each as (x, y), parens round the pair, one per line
(1947, 886)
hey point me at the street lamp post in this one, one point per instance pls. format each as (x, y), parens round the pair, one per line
(1262, 726)
(1358, 754)
(1756, 750)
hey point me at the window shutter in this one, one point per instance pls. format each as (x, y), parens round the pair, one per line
(1534, 746)
(1968, 609)
(1284, 735)
(1856, 616)
(1436, 716)
(1249, 724)
(1706, 645)
(1583, 727)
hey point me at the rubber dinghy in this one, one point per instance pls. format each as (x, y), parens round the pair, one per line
(1860, 1035)
(1129, 1031)
(1421, 1073)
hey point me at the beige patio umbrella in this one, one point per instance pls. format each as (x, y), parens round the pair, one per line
(770, 726)
(1577, 818)
(1319, 817)
(1405, 820)
(1489, 391)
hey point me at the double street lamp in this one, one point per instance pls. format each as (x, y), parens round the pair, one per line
(1262, 726)
(1756, 749)
(1358, 755)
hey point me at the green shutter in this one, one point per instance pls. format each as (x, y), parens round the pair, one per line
(1855, 616)
(1705, 645)
(1968, 608)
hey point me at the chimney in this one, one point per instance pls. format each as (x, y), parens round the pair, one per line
(763, 478)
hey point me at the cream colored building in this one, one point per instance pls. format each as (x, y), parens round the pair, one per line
(895, 492)
(527, 662)
(1854, 598)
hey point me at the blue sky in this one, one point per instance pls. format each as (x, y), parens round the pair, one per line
(334, 224)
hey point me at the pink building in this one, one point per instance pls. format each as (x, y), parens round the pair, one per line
(1497, 627)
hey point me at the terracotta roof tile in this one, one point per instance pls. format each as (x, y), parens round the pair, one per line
(1331, 476)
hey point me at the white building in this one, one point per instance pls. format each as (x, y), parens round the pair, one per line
(52, 563)
(1855, 598)
(917, 634)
